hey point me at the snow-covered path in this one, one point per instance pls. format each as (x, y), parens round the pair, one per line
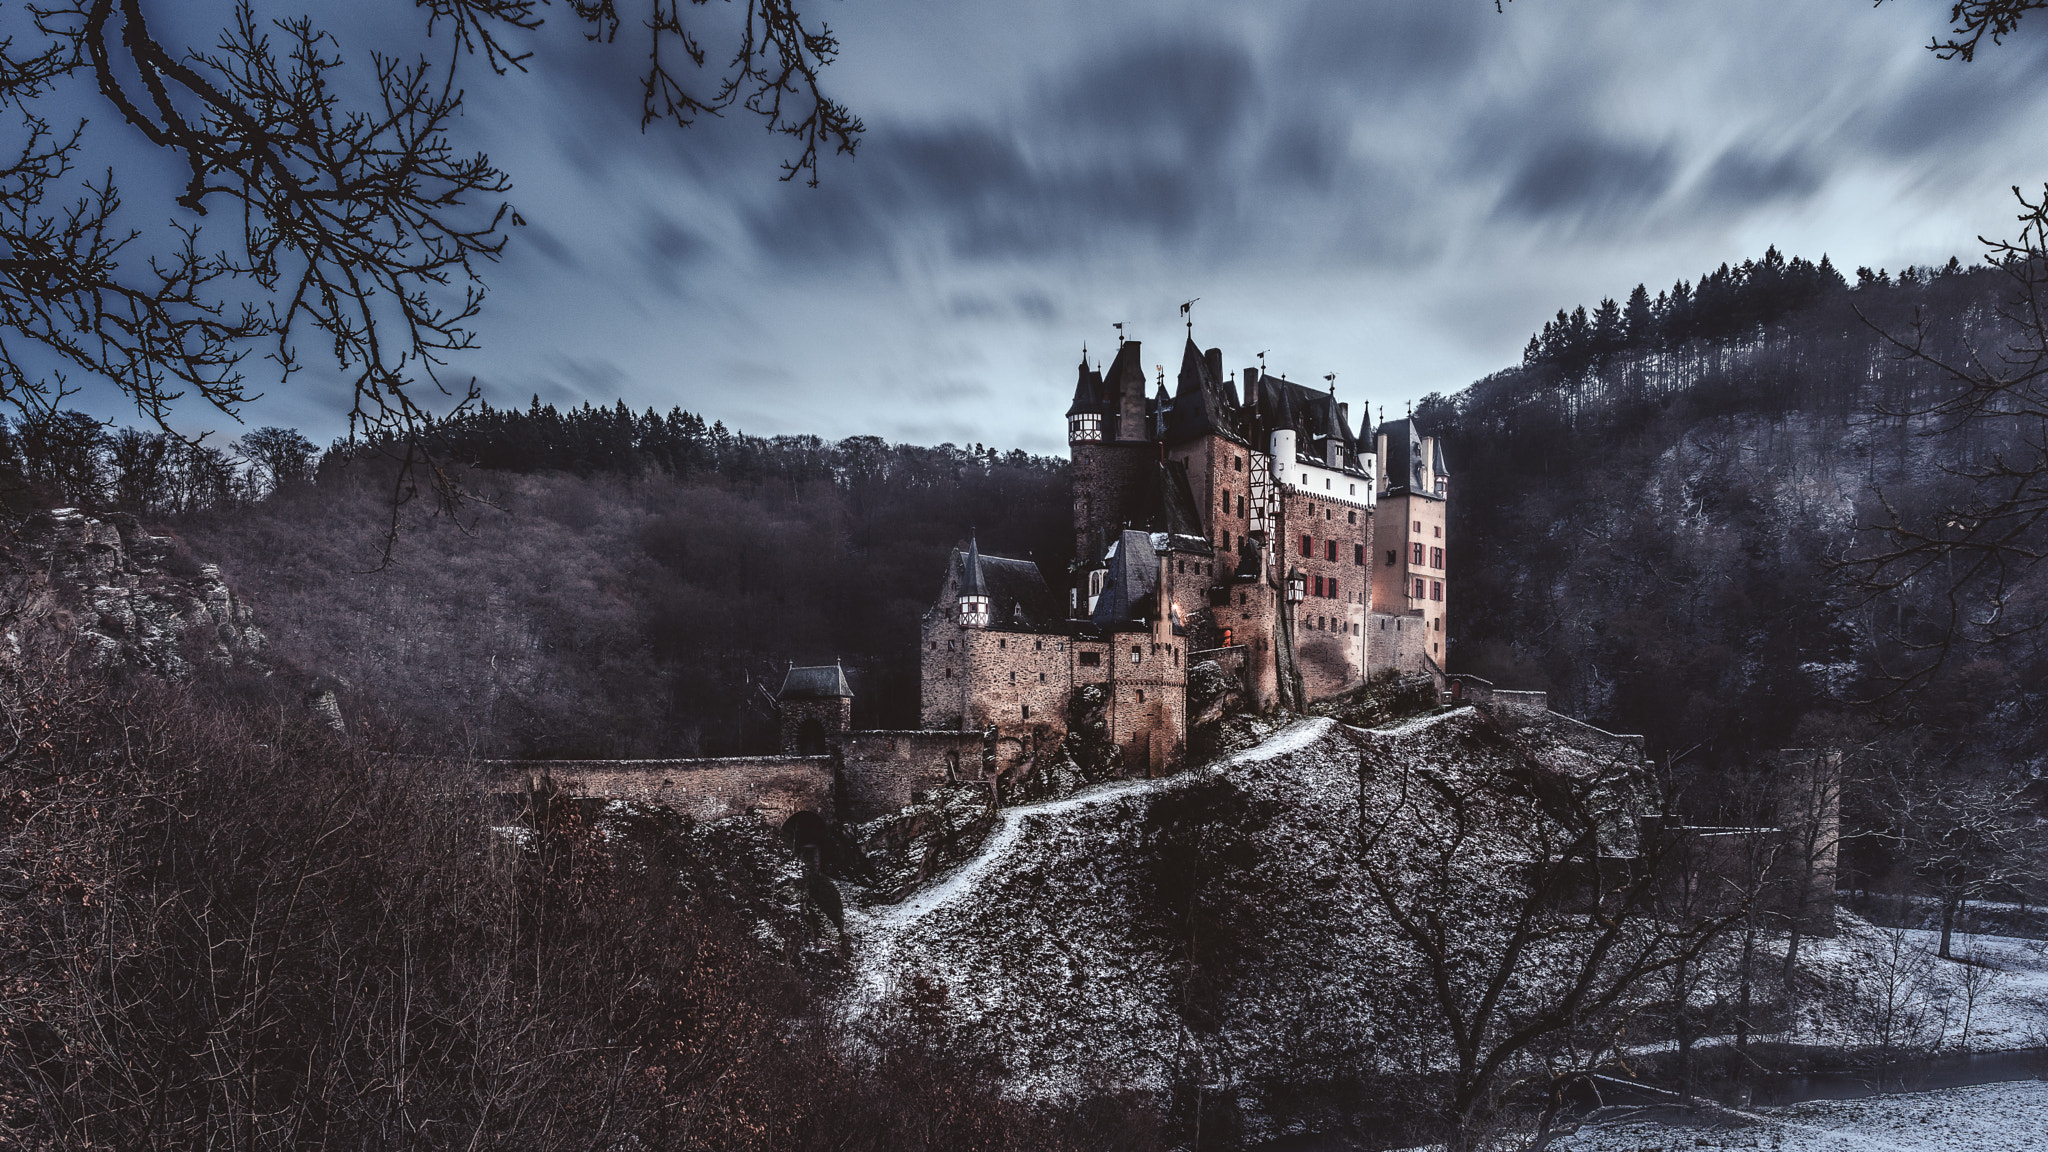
(880, 936)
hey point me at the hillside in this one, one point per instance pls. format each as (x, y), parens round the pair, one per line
(1212, 937)
(1654, 511)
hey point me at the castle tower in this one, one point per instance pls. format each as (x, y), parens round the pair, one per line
(1110, 442)
(1410, 585)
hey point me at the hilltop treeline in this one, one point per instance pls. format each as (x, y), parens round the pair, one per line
(619, 608)
(1656, 512)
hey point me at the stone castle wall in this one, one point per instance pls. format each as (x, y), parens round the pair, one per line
(773, 788)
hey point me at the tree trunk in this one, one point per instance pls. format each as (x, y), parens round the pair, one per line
(1948, 924)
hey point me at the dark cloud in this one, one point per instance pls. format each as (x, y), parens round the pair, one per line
(667, 250)
(1741, 179)
(1405, 51)
(1586, 179)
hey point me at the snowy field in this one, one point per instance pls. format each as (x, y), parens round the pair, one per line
(2009, 1117)
(1993, 996)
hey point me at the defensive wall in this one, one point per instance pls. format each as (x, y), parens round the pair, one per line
(866, 774)
(772, 787)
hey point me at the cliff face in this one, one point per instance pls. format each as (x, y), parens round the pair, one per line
(125, 599)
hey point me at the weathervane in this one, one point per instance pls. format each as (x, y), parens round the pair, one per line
(1188, 310)
(1262, 362)
(1119, 333)
(1332, 378)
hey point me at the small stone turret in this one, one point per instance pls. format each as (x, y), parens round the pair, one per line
(816, 707)
(974, 600)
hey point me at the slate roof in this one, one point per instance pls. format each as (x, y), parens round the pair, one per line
(820, 682)
(1088, 391)
(1017, 593)
(1312, 414)
(1133, 578)
(1202, 404)
(1404, 457)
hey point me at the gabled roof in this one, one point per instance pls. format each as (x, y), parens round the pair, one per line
(1202, 404)
(1133, 578)
(819, 682)
(1018, 596)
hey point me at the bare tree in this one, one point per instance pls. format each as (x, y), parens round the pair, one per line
(1966, 830)
(1531, 925)
(358, 224)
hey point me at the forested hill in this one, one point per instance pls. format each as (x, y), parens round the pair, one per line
(611, 590)
(1651, 510)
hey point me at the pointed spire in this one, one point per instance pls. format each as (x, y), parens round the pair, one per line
(970, 582)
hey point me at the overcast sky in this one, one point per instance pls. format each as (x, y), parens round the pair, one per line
(1395, 192)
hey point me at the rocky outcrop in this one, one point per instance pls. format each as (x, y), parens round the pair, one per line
(126, 600)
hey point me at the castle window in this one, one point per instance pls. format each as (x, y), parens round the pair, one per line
(1330, 552)
(1319, 585)
(1358, 555)
(1013, 677)
(1137, 654)
(1237, 462)
(1436, 557)
(1439, 623)
(1240, 599)
(1326, 482)
(1240, 507)
(1354, 489)
(1393, 557)
(1304, 479)
(949, 673)
(1333, 587)
(1002, 643)
(1226, 539)
(1038, 645)
(1418, 527)
(1415, 555)
(1141, 695)
(1308, 547)
(1418, 588)
(1041, 677)
(949, 645)
(1091, 659)
(1439, 531)
(1436, 589)
(1027, 711)
(1354, 517)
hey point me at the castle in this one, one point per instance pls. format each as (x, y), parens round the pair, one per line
(1252, 529)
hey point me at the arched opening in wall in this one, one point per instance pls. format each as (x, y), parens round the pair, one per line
(810, 738)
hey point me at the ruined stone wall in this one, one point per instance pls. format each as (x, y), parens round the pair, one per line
(771, 787)
(882, 770)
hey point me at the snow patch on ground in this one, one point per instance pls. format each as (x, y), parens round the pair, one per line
(2011, 1117)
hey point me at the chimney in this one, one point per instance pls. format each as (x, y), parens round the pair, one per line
(1214, 359)
(1251, 386)
(1344, 417)
(1133, 401)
